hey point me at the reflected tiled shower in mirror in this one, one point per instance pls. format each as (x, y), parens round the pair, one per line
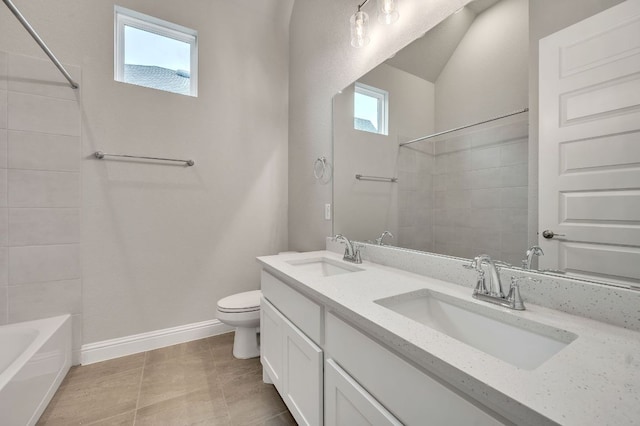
(465, 193)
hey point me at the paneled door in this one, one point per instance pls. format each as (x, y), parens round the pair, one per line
(589, 199)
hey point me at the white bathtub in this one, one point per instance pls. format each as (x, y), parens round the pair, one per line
(34, 358)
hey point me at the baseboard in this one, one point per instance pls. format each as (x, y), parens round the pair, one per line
(115, 348)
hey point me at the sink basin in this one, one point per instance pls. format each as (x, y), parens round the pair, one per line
(323, 266)
(520, 342)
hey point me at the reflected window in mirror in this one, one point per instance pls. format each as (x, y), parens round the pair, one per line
(370, 109)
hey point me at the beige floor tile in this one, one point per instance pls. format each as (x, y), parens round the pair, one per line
(86, 402)
(164, 354)
(249, 400)
(196, 383)
(229, 369)
(125, 419)
(205, 407)
(284, 419)
(176, 377)
(221, 340)
(99, 370)
(227, 366)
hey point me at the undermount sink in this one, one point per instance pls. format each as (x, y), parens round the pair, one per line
(323, 266)
(520, 342)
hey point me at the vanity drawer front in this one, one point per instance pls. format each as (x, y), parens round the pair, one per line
(301, 311)
(421, 400)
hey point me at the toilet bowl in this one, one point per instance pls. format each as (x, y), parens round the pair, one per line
(242, 311)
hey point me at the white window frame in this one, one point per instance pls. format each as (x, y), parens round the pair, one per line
(157, 26)
(382, 96)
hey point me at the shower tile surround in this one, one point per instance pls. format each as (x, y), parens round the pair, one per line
(40, 133)
(466, 192)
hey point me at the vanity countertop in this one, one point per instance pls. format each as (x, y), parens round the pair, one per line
(595, 380)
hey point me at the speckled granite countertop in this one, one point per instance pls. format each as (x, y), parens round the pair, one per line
(595, 380)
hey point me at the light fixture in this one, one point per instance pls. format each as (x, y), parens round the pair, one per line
(387, 14)
(360, 28)
(388, 11)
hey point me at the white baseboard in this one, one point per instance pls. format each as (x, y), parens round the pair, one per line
(115, 348)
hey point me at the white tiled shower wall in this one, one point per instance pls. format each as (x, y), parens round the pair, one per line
(466, 194)
(40, 131)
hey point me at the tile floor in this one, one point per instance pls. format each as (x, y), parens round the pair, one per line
(194, 383)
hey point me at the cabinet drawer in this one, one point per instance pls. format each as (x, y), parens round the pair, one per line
(348, 404)
(305, 314)
(421, 400)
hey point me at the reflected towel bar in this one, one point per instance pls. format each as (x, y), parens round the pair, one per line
(424, 138)
(100, 155)
(377, 178)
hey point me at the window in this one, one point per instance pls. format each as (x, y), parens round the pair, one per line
(154, 53)
(370, 109)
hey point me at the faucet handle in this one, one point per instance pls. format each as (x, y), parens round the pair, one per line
(514, 297)
(356, 252)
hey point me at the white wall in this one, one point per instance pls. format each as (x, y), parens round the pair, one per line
(487, 74)
(323, 62)
(162, 243)
(364, 209)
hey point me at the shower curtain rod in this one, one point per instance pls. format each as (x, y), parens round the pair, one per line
(464, 127)
(41, 43)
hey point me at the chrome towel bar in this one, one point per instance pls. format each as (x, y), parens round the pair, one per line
(100, 155)
(377, 178)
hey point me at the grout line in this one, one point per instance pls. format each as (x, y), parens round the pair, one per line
(107, 418)
(218, 381)
(144, 364)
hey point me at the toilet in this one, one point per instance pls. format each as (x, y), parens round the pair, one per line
(242, 311)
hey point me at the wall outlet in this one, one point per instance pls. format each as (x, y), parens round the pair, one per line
(327, 212)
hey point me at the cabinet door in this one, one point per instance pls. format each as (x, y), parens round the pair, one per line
(349, 404)
(271, 342)
(302, 377)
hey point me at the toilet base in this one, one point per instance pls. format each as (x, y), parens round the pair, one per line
(245, 343)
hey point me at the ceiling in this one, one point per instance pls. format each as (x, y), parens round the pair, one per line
(427, 56)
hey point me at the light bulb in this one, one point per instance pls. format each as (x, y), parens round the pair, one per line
(388, 11)
(359, 29)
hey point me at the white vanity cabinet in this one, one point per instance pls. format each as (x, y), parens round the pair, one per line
(290, 358)
(410, 394)
(362, 382)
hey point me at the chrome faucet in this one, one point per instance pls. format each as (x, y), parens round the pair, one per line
(380, 239)
(493, 293)
(532, 251)
(351, 253)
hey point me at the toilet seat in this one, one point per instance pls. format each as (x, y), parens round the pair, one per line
(249, 301)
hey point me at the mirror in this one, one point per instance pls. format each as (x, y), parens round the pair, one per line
(410, 158)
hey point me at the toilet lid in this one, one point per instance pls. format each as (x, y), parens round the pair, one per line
(241, 302)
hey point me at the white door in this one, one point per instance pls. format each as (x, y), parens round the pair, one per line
(349, 404)
(590, 146)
